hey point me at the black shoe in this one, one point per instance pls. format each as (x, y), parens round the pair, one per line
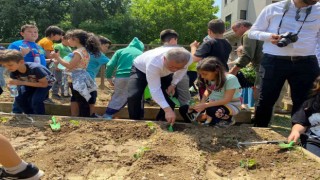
(48, 101)
(30, 173)
(94, 115)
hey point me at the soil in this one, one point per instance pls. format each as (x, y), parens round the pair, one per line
(89, 149)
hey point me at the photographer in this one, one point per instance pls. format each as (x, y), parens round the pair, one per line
(290, 30)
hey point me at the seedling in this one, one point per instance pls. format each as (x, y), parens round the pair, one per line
(151, 126)
(75, 122)
(4, 119)
(140, 152)
(248, 163)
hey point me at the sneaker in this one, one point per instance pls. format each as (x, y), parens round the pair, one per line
(30, 173)
(94, 115)
(107, 117)
(281, 111)
(225, 124)
(48, 101)
(56, 96)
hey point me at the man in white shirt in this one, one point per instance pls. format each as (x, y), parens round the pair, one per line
(289, 58)
(169, 38)
(161, 68)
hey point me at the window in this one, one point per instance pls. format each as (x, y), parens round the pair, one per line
(243, 14)
(225, 2)
(228, 22)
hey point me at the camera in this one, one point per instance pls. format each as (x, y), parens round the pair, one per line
(287, 38)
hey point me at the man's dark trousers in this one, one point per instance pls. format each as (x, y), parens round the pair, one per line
(136, 86)
(274, 70)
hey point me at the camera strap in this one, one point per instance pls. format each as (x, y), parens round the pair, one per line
(286, 9)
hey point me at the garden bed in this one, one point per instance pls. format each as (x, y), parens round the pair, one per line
(118, 149)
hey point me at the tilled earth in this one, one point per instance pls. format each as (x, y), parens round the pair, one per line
(89, 149)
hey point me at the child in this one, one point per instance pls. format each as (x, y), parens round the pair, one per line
(96, 62)
(214, 45)
(29, 49)
(84, 88)
(306, 122)
(59, 72)
(34, 80)
(13, 166)
(221, 99)
(120, 65)
(53, 33)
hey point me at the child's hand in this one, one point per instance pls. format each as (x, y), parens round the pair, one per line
(200, 107)
(294, 136)
(195, 44)
(110, 82)
(55, 55)
(24, 50)
(15, 82)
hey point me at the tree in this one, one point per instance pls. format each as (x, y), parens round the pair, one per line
(15, 13)
(188, 17)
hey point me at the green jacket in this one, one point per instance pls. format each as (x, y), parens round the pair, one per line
(121, 62)
(252, 52)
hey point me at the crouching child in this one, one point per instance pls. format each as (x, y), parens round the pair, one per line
(33, 79)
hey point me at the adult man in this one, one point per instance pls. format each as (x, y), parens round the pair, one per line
(289, 58)
(169, 38)
(161, 68)
(251, 49)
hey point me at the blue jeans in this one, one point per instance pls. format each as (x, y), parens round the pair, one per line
(58, 83)
(30, 99)
(274, 71)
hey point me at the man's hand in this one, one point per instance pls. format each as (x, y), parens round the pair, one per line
(275, 38)
(234, 70)
(170, 115)
(171, 90)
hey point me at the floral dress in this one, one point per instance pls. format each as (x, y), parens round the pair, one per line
(81, 80)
